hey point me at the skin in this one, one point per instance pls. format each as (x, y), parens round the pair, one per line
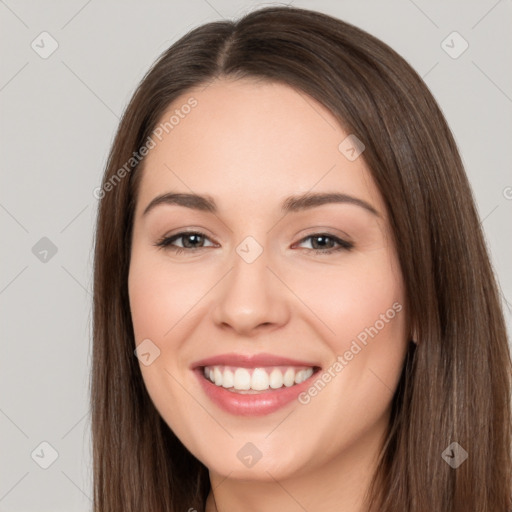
(250, 144)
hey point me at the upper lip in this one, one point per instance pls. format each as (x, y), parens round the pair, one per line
(251, 361)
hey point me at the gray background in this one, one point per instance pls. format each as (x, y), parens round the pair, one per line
(58, 118)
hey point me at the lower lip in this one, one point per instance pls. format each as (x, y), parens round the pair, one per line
(258, 404)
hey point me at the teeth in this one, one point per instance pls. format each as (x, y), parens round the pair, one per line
(276, 379)
(242, 379)
(228, 379)
(301, 376)
(257, 379)
(289, 377)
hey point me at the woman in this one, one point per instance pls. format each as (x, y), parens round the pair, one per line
(294, 307)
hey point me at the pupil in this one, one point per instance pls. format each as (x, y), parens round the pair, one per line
(322, 239)
(191, 237)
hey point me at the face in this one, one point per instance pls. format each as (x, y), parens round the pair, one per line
(294, 308)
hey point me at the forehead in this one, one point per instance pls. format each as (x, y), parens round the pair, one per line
(251, 142)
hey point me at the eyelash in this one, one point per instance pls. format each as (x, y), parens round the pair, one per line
(165, 243)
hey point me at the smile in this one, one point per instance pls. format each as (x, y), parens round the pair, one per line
(253, 385)
(252, 380)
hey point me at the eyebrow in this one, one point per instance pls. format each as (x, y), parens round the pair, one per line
(291, 204)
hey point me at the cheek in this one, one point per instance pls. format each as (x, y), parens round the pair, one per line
(161, 297)
(165, 306)
(361, 309)
(350, 299)
(157, 301)
(364, 309)
(369, 306)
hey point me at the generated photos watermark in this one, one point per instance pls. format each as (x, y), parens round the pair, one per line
(151, 142)
(357, 345)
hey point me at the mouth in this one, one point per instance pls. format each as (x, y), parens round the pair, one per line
(256, 380)
(253, 385)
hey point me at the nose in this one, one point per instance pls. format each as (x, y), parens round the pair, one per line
(251, 298)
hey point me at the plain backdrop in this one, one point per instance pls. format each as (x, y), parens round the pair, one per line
(59, 113)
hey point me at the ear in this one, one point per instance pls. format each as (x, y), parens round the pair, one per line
(414, 338)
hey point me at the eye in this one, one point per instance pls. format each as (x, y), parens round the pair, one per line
(191, 240)
(321, 243)
(325, 243)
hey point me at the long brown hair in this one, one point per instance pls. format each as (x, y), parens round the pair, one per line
(456, 382)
